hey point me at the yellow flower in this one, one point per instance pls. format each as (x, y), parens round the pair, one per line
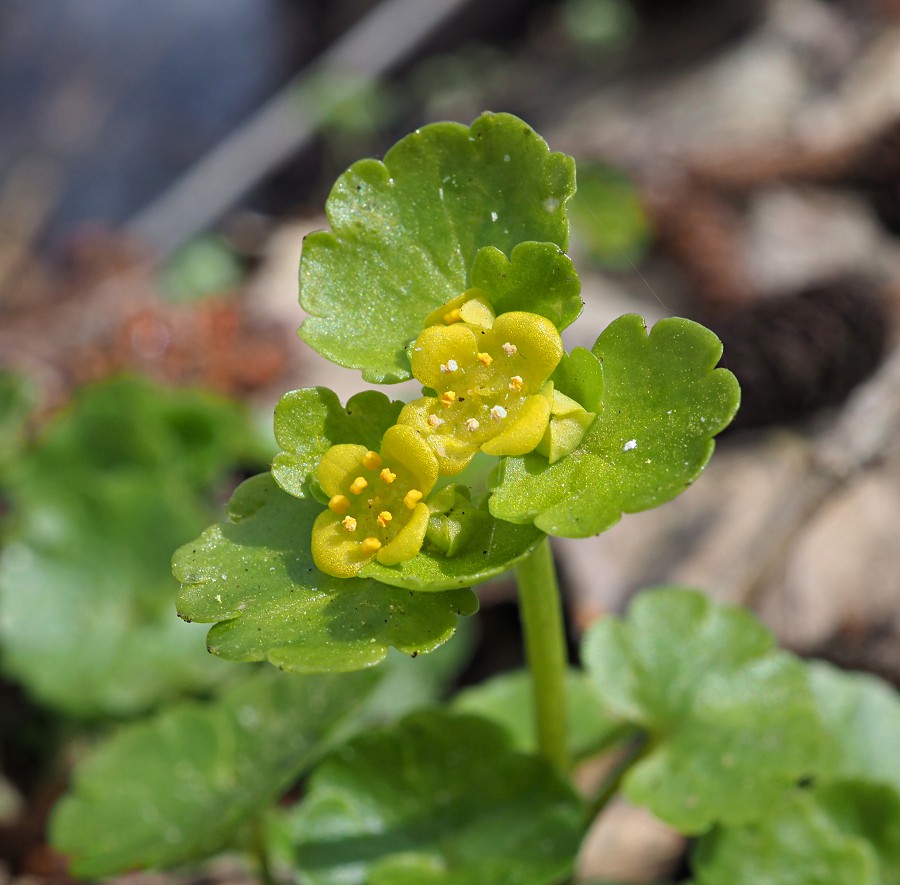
(375, 509)
(490, 383)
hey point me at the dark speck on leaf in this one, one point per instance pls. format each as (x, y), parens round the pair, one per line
(415, 654)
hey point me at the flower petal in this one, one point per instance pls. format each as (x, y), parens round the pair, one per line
(437, 346)
(523, 434)
(336, 466)
(408, 541)
(473, 306)
(336, 551)
(402, 445)
(537, 342)
(452, 453)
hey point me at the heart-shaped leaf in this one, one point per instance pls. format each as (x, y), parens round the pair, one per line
(405, 233)
(254, 576)
(846, 834)
(537, 278)
(440, 798)
(311, 420)
(663, 401)
(731, 719)
(86, 591)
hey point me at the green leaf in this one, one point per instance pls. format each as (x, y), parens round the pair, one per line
(311, 420)
(86, 590)
(15, 403)
(507, 700)
(731, 719)
(440, 798)
(496, 549)
(405, 234)
(663, 401)
(178, 786)
(537, 277)
(848, 834)
(861, 717)
(255, 578)
(579, 375)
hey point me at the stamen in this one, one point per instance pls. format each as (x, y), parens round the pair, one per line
(498, 412)
(388, 476)
(448, 398)
(484, 358)
(384, 518)
(509, 349)
(358, 485)
(371, 460)
(454, 316)
(349, 523)
(449, 366)
(339, 504)
(434, 421)
(413, 496)
(370, 545)
(472, 425)
(516, 382)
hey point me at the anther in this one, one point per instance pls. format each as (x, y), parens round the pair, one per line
(498, 412)
(435, 421)
(449, 366)
(412, 497)
(472, 425)
(509, 349)
(349, 523)
(358, 485)
(516, 382)
(454, 316)
(448, 398)
(384, 518)
(371, 460)
(484, 358)
(388, 476)
(370, 545)
(339, 504)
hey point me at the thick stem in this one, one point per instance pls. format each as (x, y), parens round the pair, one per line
(545, 649)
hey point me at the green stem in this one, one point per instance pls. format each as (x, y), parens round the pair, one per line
(540, 609)
(259, 847)
(636, 749)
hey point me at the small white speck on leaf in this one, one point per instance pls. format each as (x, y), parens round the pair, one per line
(631, 444)
(218, 597)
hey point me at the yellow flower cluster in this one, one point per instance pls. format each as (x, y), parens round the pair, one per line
(491, 393)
